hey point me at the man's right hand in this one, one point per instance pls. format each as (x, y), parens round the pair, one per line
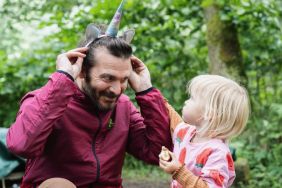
(71, 61)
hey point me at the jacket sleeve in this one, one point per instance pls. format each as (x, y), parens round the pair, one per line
(149, 132)
(37, 114)
(174, 117)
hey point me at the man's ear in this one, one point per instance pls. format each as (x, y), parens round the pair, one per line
(82, 74)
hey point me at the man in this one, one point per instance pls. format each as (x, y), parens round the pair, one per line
(81, 130)
(79, 125)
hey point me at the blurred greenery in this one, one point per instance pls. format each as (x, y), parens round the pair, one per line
(171, 39)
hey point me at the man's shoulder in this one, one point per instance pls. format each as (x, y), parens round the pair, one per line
(29, 94)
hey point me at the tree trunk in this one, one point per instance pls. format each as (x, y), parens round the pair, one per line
(223, 46)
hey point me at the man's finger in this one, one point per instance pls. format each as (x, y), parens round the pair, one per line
(82, 49)
(75, 54)
(79, 61)
(76, 67)
(136, 62)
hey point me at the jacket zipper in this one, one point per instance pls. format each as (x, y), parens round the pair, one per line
(93, 148)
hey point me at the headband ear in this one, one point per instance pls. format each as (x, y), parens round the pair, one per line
(128, 35)
(92, 32)
(102, 28)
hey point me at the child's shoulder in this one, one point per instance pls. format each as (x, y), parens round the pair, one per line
(218, 147)
(184, 125)
(184, 131)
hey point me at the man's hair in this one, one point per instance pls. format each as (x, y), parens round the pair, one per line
(115, 46)
(226, 105)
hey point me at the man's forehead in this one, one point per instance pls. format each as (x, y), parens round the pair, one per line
(112, 65)
(116, 74)
(101, 51)
(102, 54)
(118, 64)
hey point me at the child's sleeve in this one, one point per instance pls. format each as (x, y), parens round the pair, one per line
(188, 180)
(218, 171)
(174, 117)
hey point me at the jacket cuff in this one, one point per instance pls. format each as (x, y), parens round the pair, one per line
(144, 92)
(67, 74)
(63, 82)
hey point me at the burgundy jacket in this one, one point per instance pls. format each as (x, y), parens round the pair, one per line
(62, 134)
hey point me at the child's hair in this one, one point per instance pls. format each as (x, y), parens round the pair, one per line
(226, 105)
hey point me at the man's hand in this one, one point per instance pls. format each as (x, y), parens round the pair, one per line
(71, 61)
(169, 166)
(139, 79)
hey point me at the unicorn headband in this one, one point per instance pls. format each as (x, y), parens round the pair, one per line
(94, 31)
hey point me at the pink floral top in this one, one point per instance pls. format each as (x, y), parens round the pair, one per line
(209, 160)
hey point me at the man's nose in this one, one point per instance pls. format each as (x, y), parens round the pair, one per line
(116, 88)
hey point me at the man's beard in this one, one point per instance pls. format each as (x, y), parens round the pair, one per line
(96, 95)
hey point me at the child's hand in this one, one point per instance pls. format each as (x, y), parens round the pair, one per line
(164, 155)
(169, 166)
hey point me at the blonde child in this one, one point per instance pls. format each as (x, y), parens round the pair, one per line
(217, 110)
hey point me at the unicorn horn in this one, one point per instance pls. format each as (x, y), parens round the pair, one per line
(112, 29)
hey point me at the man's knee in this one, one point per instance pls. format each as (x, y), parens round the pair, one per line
(57, 183)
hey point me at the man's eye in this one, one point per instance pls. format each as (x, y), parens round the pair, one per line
(107, 78)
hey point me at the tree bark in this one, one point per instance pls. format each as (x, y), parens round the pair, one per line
(223, 46)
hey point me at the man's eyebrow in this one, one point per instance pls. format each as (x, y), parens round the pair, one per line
(106, 74)
(112, 76)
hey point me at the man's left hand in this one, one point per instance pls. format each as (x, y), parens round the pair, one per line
(140, 79)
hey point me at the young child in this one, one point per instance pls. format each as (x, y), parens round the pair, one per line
(217, 110)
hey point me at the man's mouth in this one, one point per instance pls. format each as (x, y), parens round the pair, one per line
(110, 99)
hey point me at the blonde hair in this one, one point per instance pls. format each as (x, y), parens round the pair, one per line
(226, 105)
